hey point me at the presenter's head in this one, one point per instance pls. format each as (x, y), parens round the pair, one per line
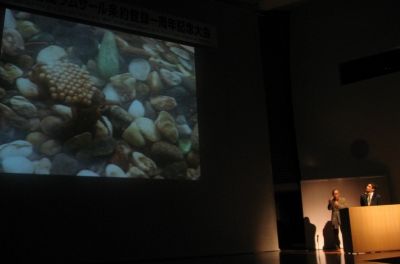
(370, 187)
(335, 194)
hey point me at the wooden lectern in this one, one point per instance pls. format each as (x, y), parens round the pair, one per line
(371, 228)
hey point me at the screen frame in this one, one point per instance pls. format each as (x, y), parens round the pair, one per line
(105, 179)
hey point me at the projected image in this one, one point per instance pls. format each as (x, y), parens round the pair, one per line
(81, 100)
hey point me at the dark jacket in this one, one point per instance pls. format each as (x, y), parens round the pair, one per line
(376, 199)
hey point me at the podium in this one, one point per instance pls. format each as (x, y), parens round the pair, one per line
(370, 228)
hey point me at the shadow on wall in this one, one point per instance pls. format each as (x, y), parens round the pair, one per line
(309, 230)
(329, 238)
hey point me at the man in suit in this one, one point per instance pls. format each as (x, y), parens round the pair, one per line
(370, 197)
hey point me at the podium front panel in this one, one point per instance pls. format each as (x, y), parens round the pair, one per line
(373, 228)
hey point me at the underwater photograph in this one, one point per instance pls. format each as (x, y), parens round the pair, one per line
(82, 100)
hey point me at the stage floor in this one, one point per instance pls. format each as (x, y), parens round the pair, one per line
(288, 257)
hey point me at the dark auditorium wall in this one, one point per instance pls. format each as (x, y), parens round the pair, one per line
(230, 210)
(354, 129)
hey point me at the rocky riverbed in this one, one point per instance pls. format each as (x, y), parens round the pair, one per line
(87, 101)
